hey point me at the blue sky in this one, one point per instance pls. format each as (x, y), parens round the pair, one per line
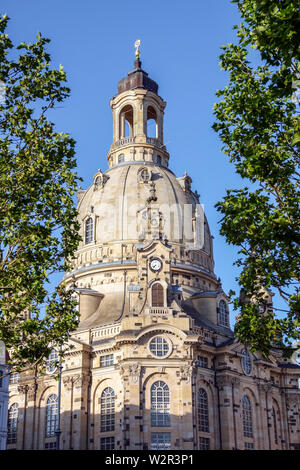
(181, 42)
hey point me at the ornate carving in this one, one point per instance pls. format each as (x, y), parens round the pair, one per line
(22, 389)
(68, 382)
(130, 372)
(26, 391)
(185, 373)
(265, 387)
(227, 380)
(80, 381)
(204, 378)
(134, 372)
(31, 391)
(293, 399)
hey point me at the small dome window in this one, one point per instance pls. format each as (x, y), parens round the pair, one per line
(158, 159)
(223, 314)
(121, 158)
(89, 229)
(98, 181)
(144, 175)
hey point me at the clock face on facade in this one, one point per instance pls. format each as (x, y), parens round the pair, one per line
(155, 265)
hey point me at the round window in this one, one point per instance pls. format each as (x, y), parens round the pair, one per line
(159, 346)
(246, 363)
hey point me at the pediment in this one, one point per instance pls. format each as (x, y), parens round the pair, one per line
(162, 328)
(153, 246)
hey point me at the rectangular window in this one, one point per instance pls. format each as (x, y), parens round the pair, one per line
(202, 362)
(160, 418)
(107, 422)
(106, 360)
(249, 446)
(107, 443)
(203, 443)
(160, 440)
(14, 378)
(50, 445)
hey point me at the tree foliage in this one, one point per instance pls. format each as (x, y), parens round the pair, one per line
(38, 227)
(257, 119)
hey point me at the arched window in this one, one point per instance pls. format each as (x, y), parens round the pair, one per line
(223, 314)
(202, 410)
(247, 417)
(98, 181)
(160, 404)
(126, 122)
(12, 423)
(51, 415)
(121, 158)
(151, 122)
(157, 295)
(89, 229)
(158, 159)
(107, 410)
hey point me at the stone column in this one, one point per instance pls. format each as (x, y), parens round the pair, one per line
(140, 121)
(80, 410)
(263, 437)
(133, 414)
(122, 126)
(293, 409)
(235, 396)
(22, 390)
(187, 429)
(67, 416)
(31, 416)
(224, 384)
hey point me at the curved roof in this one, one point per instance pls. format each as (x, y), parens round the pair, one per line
(121, 204)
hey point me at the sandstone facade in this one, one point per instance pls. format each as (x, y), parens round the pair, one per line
(155, 364)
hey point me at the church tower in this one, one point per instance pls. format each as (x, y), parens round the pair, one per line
(154, 363)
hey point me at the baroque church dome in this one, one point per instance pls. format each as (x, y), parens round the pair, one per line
(154, 363)
(137, 203)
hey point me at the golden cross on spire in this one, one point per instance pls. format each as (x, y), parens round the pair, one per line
(137, 50)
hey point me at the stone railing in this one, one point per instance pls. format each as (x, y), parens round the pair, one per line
(124, 141)
(106, 331)
(152, 140)
(158, 311)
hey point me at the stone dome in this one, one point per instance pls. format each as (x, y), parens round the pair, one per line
(119, 207)
(138, 213)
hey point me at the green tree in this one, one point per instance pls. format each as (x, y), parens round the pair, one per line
(257, 119)
(38, 227)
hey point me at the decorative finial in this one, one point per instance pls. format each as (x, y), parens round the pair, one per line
(137, 51)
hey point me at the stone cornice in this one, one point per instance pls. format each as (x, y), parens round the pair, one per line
(113, 265)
